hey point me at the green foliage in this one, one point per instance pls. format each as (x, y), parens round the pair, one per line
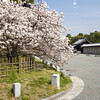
(69, 36)
(75, 38)
(81, 34)
(26, 98)
(10, 93)
(29, 1)
(39, 82)
(1, 98)
(65, 80)
(55, 91)
(13, 76)
(93, 37)
(62, 75)
(35, 85)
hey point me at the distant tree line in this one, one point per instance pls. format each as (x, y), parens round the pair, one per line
(93, 37)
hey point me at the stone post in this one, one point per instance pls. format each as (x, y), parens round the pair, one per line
(17, 90)
(51, 65)
(64, 72)
(55, 80)
(58, 69)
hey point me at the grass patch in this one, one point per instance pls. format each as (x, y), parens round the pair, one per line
(35, 85)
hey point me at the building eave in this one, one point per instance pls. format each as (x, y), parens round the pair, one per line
(91, 45)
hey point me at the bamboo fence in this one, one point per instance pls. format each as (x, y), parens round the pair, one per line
(18, 64)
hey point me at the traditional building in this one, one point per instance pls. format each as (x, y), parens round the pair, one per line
(91, 48)
(77, 45)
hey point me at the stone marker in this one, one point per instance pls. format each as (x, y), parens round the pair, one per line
(64, 72)
(51, 65)
(17, 90)
(58, 69)
(55, 80)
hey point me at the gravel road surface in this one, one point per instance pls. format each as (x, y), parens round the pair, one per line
(88, 69)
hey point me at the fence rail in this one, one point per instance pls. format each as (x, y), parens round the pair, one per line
(18, 64)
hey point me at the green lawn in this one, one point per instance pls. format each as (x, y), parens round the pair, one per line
(35, 85)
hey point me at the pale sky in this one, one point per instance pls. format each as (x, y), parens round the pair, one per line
(82, 16)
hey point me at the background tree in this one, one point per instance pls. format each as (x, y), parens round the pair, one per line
(75, 38)
(81, 35)
(93, 37)
(69, 36)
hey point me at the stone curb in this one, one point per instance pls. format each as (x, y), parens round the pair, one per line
(92, 55)
(70, 93)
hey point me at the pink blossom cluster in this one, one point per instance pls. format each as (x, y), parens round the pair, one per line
(36, 31)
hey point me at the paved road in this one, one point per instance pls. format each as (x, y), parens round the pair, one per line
(88, 69)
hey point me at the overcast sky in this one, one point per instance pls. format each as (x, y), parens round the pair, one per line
(82, 16)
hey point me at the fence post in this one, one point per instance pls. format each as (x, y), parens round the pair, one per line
(34, 63)
(12, 63)
(0, 67)
(29, 63)
(6, 67)
(19, 64)
(2, 60)
(24, 64)
(16, 62)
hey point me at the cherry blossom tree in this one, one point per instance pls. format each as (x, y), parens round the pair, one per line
(36, 31)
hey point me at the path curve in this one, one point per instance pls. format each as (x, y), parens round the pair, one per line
(75, 91)
(88, 69)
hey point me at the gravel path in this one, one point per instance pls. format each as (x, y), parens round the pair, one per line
(88, 69)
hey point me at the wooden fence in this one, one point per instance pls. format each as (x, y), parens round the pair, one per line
(18, 64)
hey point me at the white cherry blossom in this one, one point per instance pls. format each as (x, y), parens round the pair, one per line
(36, 31)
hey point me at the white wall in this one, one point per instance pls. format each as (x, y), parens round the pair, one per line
(91, 50)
